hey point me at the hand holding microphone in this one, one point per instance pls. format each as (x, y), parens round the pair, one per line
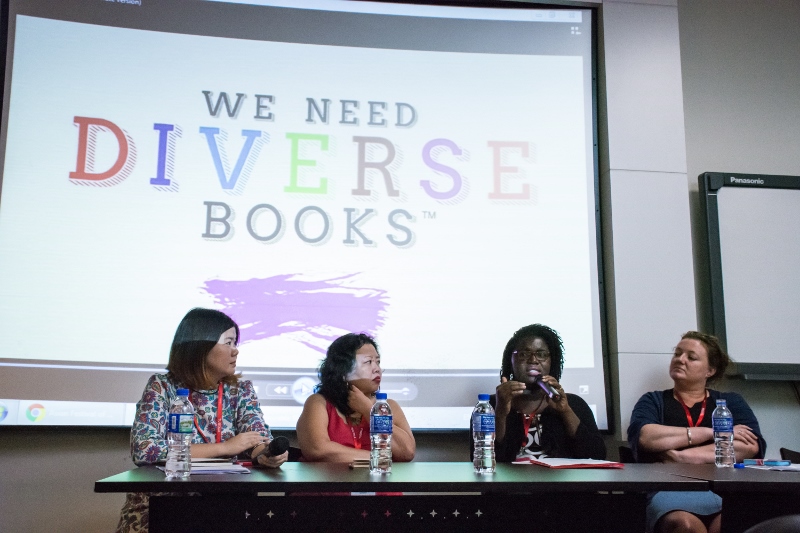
(277, 446)
(548, 389)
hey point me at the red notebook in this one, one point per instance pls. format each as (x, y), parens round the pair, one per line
(554, 462)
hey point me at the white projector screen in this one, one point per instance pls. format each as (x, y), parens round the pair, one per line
(424, 174)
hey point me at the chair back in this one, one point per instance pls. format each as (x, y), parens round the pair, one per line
(790, 455)
(781, 524)
(626, 455)
(294, 454)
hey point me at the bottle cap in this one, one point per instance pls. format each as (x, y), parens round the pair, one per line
(183, 392)
(380, 396)
(722, 402)
(483, 397)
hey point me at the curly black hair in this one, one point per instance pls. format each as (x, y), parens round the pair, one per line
(338, 362)
(548, 335)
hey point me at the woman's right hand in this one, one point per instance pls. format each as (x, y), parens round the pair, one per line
(244, 441)
(506, 392)
(359, 402)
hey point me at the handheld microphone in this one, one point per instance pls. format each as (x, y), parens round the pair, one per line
(277, 446)
(550, 391)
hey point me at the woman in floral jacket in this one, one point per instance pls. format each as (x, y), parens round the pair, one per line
(228, 419)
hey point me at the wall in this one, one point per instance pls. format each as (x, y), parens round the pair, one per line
(728, 72)
(741, 89)
(647, 247)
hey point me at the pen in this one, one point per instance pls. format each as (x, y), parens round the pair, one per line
(766, 462)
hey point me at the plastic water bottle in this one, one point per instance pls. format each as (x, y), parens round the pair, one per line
(722, 422)
(483, 436)
(180, 428)
(380, 433)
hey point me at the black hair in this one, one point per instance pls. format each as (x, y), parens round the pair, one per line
(196, 336)
(548, 335)
(339, 361)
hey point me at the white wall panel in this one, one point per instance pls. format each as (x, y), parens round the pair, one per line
(639, 373)
(652, 250)
(643, 92)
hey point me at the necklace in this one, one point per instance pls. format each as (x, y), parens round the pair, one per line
(527, 420)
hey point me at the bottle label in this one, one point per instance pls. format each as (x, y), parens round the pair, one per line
(483, 423)
(180, 423)
(380, 424)
(724, 425)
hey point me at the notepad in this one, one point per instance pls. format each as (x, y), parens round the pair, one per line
(208, 467)
(218, 468)
(557, 462)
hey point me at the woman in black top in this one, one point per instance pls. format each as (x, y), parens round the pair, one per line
(527, 422)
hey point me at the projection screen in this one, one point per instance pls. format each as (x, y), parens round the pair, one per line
(425, 174)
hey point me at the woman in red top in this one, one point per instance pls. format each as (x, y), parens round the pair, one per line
(334, 424)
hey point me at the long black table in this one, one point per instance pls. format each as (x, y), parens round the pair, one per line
(436, 497)
(749, 495)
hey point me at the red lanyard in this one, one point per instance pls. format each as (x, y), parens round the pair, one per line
(219, 418)
(689, 415)
(356, 440)
(526, 424)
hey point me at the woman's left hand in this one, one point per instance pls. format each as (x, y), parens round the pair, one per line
(273, 461)
(561, 405)
(744, 434)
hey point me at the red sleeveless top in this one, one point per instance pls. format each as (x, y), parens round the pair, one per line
(343, 433)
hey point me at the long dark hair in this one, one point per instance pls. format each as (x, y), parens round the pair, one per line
(339, 361)
(548, 335)
(196, 336)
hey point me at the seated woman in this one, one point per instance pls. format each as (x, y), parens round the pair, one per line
(674, 425)
(528, 422)
(334, 424)
(202, 359)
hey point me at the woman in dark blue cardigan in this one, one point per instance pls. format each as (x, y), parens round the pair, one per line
(674, 425)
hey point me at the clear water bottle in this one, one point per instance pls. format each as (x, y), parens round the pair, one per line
(483, 436)
(380, 433)
(180, 428)
(722, 422)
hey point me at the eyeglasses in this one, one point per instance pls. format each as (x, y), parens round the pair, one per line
(541, 356)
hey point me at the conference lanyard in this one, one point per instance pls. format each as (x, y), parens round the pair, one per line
(356, 440)
(526, 424)
(219, 418)
(689, 415)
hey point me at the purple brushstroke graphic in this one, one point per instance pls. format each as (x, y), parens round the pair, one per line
(277, 305)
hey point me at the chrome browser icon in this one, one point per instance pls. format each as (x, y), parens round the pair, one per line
(35, 412)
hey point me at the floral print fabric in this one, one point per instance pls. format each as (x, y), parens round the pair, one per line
(240, 413)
